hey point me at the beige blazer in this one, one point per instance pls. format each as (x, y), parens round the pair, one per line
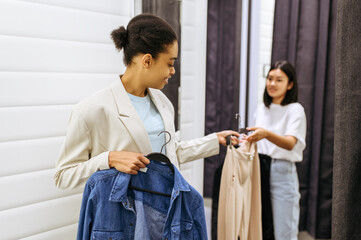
(107, 121)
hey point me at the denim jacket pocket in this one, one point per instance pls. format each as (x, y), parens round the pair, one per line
(106, 235)
(183, 230)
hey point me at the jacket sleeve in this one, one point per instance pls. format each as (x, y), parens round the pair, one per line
(199, 219)
(86, 214)
(74, 165)
(196, 148)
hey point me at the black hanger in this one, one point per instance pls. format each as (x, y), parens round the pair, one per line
(240, 130)
(159, 157)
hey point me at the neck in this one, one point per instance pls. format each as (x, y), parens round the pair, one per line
(277, 100)
(133, 84)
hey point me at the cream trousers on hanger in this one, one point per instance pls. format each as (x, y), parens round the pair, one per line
(239, 209)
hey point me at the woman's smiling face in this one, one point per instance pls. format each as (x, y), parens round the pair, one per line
(277, 85)
(162, 68)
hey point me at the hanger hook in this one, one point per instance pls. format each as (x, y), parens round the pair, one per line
(170, 137)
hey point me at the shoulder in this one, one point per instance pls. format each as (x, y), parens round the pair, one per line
(98, 98)
(95, 105)
(295, 108)
(261, 109)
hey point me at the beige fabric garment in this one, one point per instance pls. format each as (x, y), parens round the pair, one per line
(239, 207)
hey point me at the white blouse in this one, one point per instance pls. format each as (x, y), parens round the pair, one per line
(289, 120)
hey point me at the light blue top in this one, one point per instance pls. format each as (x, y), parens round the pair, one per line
(151, 119)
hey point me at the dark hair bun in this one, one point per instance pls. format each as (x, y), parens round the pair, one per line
(120, 37)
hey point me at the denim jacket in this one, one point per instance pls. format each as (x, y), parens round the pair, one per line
(110, 210)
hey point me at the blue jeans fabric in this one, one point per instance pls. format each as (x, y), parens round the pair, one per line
(285, 199)
(110, 210)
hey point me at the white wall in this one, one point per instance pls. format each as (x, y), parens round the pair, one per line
(53, 53)
(260, 50)
(265, 44)
(193, 80)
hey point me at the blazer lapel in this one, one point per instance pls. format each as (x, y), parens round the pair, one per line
(130, 118)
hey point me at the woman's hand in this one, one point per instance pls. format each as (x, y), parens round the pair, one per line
(258, 134)
(127, 162)
(286, 142)
(223, 135)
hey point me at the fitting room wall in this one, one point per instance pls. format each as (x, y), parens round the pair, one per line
(52, 54)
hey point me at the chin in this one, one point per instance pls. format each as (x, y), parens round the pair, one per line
(159, 87)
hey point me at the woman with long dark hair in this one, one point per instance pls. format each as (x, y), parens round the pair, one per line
(280, 132)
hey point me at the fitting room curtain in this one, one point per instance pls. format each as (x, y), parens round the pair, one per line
(305, 34)
(222, 80)
(222, 86)
(346, 204)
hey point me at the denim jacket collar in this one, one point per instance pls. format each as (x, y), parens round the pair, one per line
(121, 183)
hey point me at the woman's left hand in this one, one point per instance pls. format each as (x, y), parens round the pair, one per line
(258, 134)
(223, 135)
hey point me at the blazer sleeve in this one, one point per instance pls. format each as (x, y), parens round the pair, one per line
(192, 149)
(74, 165)
(196, 148)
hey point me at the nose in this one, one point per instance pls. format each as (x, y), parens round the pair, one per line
(273, 83)
(172, 71)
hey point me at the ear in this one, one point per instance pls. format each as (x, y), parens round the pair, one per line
(147, 60)
(290, 86)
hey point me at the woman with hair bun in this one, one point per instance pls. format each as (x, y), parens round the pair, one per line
(118, 126)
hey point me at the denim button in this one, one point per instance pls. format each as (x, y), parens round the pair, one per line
(130, 224)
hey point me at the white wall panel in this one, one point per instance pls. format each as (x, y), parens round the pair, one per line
(193, 77)
(21, 123)
(191, 14)
(188, 45)
(187, 83)
(116, 7)
(189, 110)
(29, 155)
(39, 88)
(189, 64)
(52, 22)
(41, 217)
(53, 53)
(63, 233)
(25, 189)
(265, 43)
(44, 55)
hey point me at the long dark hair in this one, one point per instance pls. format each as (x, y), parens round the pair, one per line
(145, 33)
(292, 94)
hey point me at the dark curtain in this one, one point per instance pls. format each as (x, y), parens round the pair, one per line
(170, 11)
(346, 209)
(305, 34)
(222, 80)
(222, 86)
